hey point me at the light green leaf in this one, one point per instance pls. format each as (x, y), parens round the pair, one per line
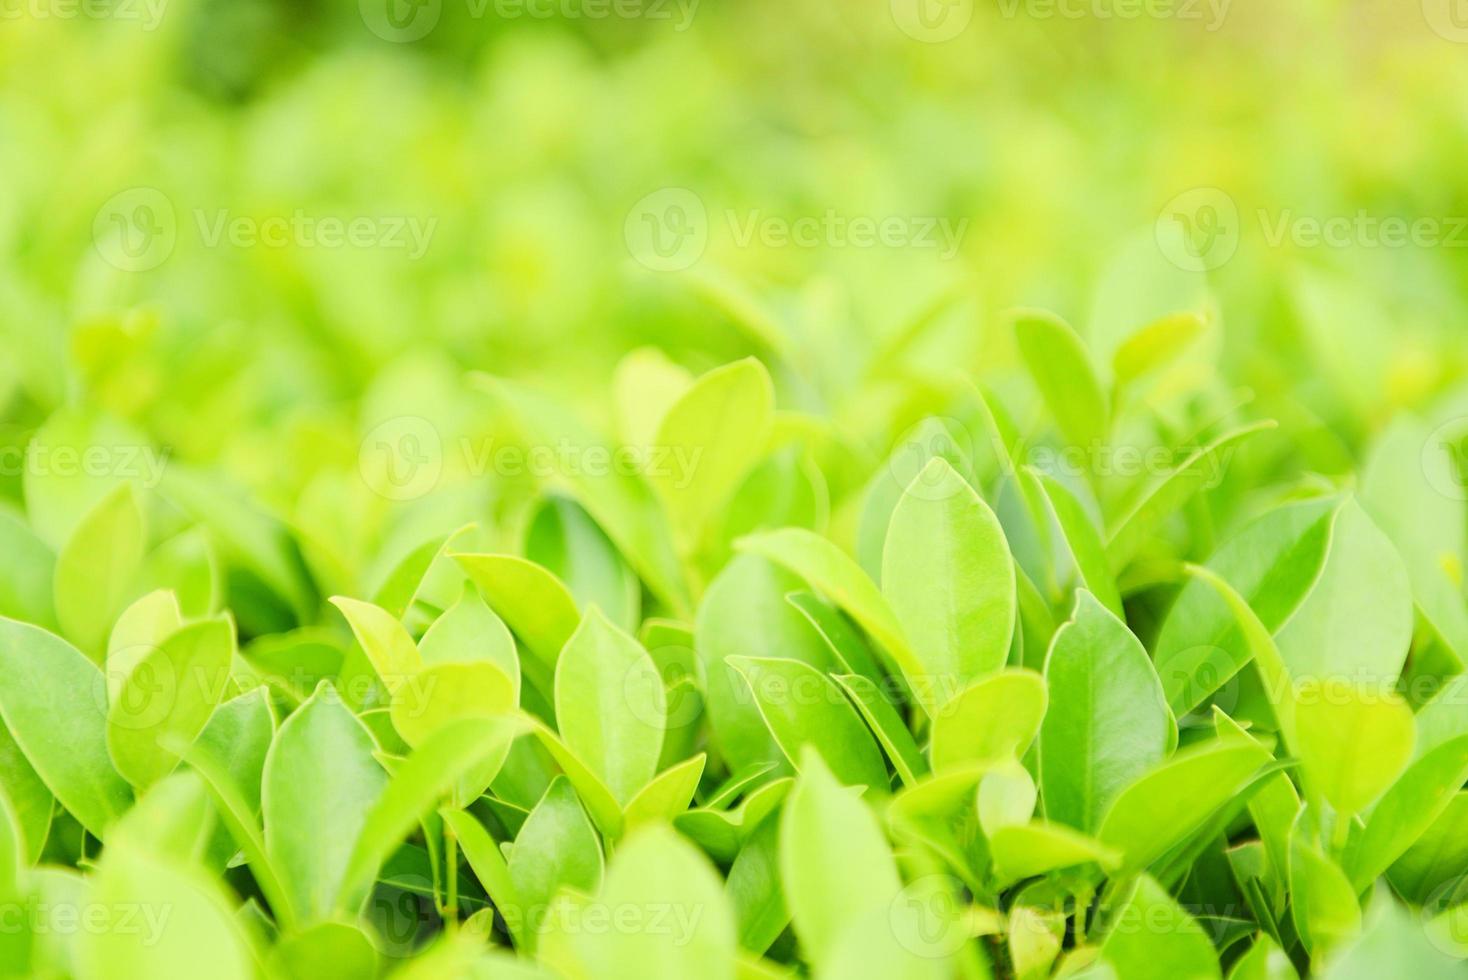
(667, 795)
(1107, 722)
(535, 604)
(393, 654)
(168, 694)
(881, 717)
(319, 783)
(1321, 898)
(834, 862)
(1353, 740)
(1061, 368)
(611, 705)
(142, 628)
(805, 708)
(715, 432)
(54, 702)
(828, 568)
(564, 539)
(164, 921)
(96, 568)
(1166, 805)
(556, 848)
(949, 578)
(754, 890)
(673, 919)
(1407, 810)
(1024, 850)
(1152, 938)
(1174, 489)
(993, 719)
(1084, 542)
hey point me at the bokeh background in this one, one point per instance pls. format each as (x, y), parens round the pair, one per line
(536, 188)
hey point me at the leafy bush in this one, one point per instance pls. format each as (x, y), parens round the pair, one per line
(455, 519)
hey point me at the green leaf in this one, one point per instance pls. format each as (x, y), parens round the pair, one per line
(142, 628)
(28, 573)
(320, 781)
(470, 632)
(326, 951)
(827, 568)
(1108, 721)
(993, 719)
(667, 795)
(535, 604)
(393, 654)
(646, 384)
(1437, 858)
(1264, 961)
(716, 430)
(1357, 620)
(1322, 901)
(881, 717)
(1407, 810)
(754, 889)
(564, 539)
(673, 920)
(1174, 489)
(54, 702)
(1084, 541)
(556, 848)
(1353, 740)
(805, 708)
(30, 800)
(834, 862)
(745, 613)
(97, 567)
(1163, 807)
(1396, 943)
(611, 705)
(169, 693)
(1024, 850)
(162, 920)
(1061, 368)
(949, 578)
(493, 872)
(1152, 938)
(1272, 564)
(1156, 344)
(415, 790)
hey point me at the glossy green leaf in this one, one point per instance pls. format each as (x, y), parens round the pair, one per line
(993, 719)
(54, 702)
(1353, 740)
(97, 566)
(1061, 368)
(611, 705)
(1153, 937)
(564, 539)
(1108, 720)
(805, 708)
(556, 848)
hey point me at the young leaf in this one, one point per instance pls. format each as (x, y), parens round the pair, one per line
(1061, 368)
(834, 862)
(556, 848)
(949, 578)
(717, 429)
(392, 652)
(992, 720)
(1353, 740)
(804, 708)
(1108, 721)
(168, 694)
(611, 705)
(319, 783)
(564, 539)
(54, 702)
(1152, 938)
(97, 567)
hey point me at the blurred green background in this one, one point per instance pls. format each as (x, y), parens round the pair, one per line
(173, 170)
